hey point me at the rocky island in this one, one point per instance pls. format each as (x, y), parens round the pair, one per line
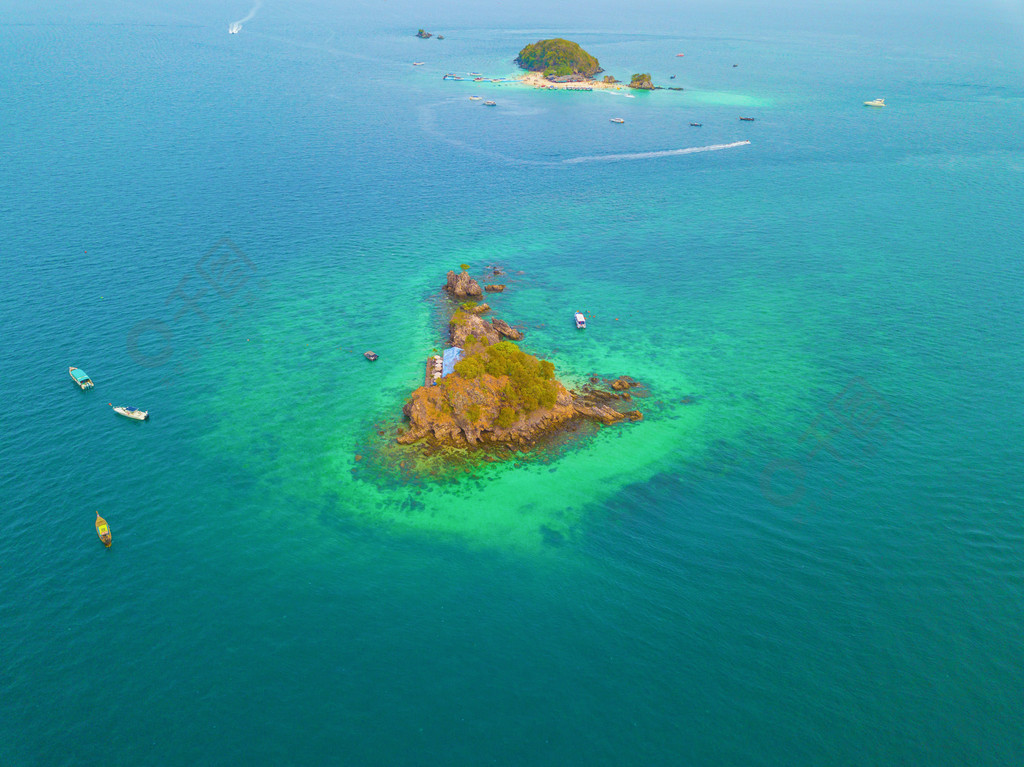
(563, 64)
(496, 393)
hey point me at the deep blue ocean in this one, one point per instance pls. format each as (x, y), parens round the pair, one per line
(809, 552)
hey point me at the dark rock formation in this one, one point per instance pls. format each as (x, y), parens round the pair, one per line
(505, 329)
(602, 413)
(624, 382)
(460, 285)
(494, 288)
(423, 34)
(634, 415)
(464, 325)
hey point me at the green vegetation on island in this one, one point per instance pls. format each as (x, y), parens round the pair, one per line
(642, 81)
(531, 382)
(558, 58)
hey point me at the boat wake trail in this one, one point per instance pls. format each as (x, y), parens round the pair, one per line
(236, 26)
(651, 155)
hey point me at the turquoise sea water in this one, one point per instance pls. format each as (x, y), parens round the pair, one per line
(810, 551)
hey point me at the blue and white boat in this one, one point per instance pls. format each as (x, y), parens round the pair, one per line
(130, 412)
(581, 321)
(81, 378)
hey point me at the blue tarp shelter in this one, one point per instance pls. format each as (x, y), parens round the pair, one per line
(451, 355)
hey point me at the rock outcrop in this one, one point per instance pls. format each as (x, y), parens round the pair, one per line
(642, 82)
(494, 288)
(461, 285)
(481, 309)
(506, 330)
(624, 382)
(464, 325)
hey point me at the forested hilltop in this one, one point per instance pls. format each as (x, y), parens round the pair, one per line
(558, 58)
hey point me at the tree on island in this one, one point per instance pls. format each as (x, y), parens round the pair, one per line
(558, 58)
(642, 81)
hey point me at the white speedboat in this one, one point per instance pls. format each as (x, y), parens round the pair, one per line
(418, 63)
(489, 104)
(130, 412)
(475, 98)
(581, 321)
(875, 103)
(618, 120)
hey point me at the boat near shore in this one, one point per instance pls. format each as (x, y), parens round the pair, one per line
(81, 378)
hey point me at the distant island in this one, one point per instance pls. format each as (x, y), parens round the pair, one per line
(562, 64)
(491, 391)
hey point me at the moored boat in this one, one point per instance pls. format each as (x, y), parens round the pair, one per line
(103, 530)
(581, 321)
(489, 104)
(130, 412)
(875, 103)
(475, 98)
(748, 119)
(371, 356)
(81, 378)
(695, 125)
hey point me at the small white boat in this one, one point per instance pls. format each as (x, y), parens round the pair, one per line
(581, 321)
(489, 104)
(875, 103)
(130, 412)
(418, 63)
(475, 98)
(618, 120)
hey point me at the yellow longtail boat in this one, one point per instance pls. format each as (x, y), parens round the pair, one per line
(103, 530)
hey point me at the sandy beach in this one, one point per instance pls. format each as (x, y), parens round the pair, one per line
(536, 80)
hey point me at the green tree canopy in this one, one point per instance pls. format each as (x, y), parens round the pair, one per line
(559, 56)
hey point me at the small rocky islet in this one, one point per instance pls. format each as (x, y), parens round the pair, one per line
(497, 394)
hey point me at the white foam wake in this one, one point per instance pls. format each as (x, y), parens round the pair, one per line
(650, 155)
(236, 26)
